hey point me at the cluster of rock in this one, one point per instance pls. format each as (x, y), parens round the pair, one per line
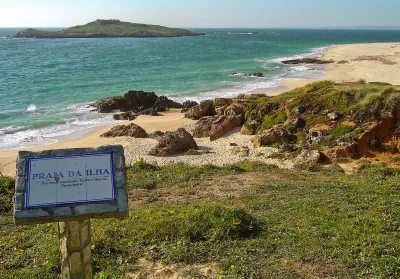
(307, 61)
(258, 74)
(135, 103)
(299, 133)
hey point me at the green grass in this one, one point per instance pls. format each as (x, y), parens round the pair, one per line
(341, 130)
(287, 224)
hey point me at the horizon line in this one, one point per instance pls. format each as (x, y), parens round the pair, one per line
(270, 27)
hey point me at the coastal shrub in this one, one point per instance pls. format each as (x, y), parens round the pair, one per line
(7, 186)
(341, 130)
(208, 222)
(276, 118)
(251, 111)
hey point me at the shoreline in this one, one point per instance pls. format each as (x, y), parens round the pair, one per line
(371, 69)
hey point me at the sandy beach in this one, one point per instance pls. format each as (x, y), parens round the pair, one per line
(371, 62)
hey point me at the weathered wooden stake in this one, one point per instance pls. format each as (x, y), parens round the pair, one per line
(75, 246)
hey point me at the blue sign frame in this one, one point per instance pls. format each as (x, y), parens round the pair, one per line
(28, 172)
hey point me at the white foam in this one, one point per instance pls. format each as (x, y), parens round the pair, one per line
(31, 108)
(313, 52)
(22, 137)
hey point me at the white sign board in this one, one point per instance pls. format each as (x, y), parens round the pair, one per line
(67, 180)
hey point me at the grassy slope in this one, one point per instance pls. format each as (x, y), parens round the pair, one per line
(361, 103)
(111, 28)
(253, 220)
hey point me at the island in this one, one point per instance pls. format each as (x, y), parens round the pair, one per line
(101, 28)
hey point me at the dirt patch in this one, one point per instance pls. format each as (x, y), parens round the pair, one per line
(151, 270)
(229, 186)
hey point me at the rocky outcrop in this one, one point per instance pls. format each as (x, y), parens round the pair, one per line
(307, 61)
(250, 127)
(220, 102)
(203, 127)
(131, 130)
(172, 143)
(205, 108)
(308, 156)
(135, 101)
(235, 110)
(273, 136)
(347, 150)
(223, 125)
(259, 74)
(125, 116)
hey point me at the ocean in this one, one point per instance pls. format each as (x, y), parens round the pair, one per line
(47, 84)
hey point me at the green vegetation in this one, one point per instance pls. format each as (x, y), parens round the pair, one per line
(6, 194)
(108, 28)
(341, 130)
(253, 220)
(345, 109)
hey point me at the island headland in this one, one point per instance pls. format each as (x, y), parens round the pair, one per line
(102, 28)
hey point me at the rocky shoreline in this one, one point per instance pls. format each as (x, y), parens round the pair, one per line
(321, 123)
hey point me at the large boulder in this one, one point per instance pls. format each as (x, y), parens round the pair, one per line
(189, 104)
(125, 116)
(135, 101)
(220, 102)
(131, 130)
(223, 125)
(203, 127)
(235, 110)
(172, 143)
(205, 108)
(308, 156)
(346, 150)
(273, 136)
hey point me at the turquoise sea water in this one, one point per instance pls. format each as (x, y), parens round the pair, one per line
(45, 85)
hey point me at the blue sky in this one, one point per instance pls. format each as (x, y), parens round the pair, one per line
(203, 13)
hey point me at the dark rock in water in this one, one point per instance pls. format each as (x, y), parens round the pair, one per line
(203, 127)
(307, 61)
(254, 75)
(189, 104)
(259, 75)
(131, 130)
(299, 123)
(272, 136)
(223, 125)
(156, 135)
(135, 101)
(125, 116)
(205, 108)
(172, 143)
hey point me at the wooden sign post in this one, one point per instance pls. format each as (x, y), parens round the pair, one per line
(70, 186)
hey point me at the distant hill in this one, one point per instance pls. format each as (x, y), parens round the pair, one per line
(108, 28)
